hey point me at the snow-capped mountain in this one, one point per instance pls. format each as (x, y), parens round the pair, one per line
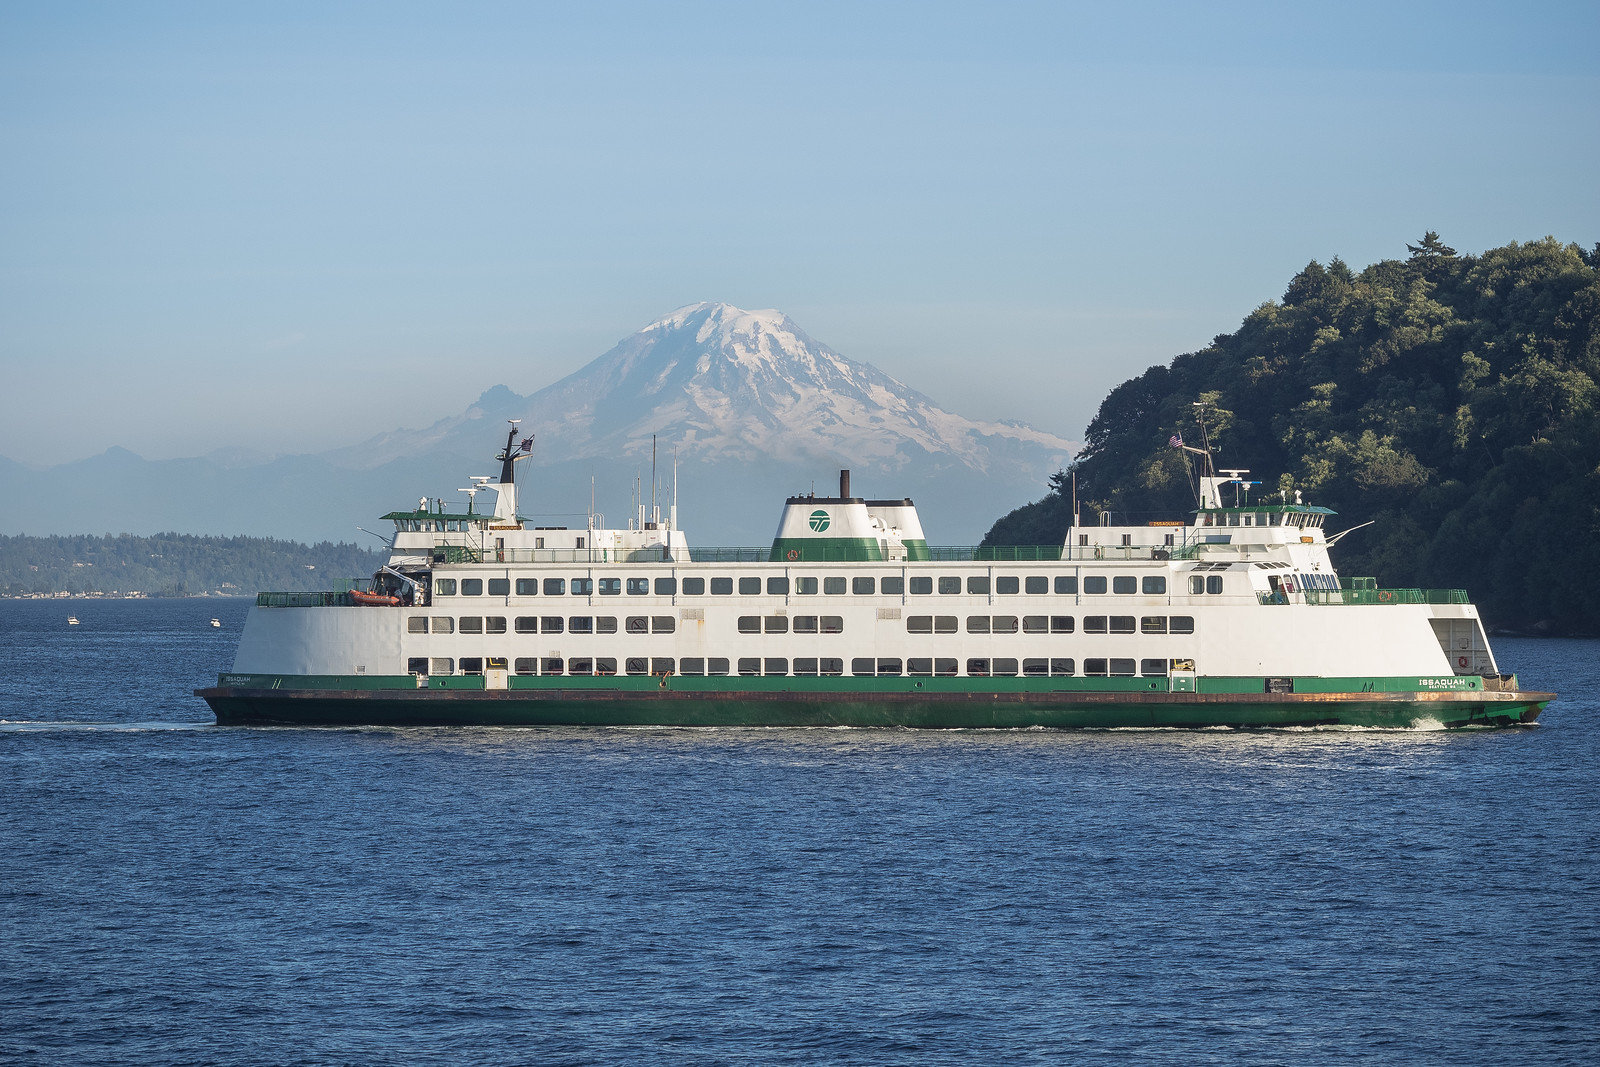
(744, 406)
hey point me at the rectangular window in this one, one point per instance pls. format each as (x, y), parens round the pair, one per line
(1197, 585)
(525, 665)
(805, 624)
(749, 624)
(555, 586)
(581, 624)
(1061, 624)
(1155, 584)
(805, 586)
(552, 665)
(919, 668)
(1213, 583)
(1123, 584)
(499, 586)
(774, 666)
(722, 587)
(863, 667)
(749, 586)
(527, 624)
(831, 667)
(1095, 668)
(527, 586)
(949, 584)
(775, 624)
(417, 665)
(833, 624)
(777, 586)
(1035, 624)
(1153, 624)
(1003, 624)
(1062, 667)
(888, 668)
(443, 625)
(978, 583)
(444, 587)
(695, 665)
(919, 624)
(605, 665)
(1007, 584)
(1094, 584)
(1122, 624)
(977, 624)
(417, 624)
(636, 665)
(862, 586)
(441, 665)
(750, 665)
(584, 666)
(893, 586)
(944, 624)
(921, 584)
(1003, 668)
(1035, 668)
(638, 586)
(471, 664)
(694, 587)
(636, 624)
(833, 586)
(583, 587)
(1094, 624)
(1181, 624)
(1035, 585)
(551, 624)
(717, 667)
(1122, 668)
(608, 587)
(605, 624)
(663, 624)
(1066, 584)
(471, 624)
(805, 667)
(944, 668)
(494, 624)
(666, 587)
(977, 668)
(1153, 668)
(661, 665)
(472, 587)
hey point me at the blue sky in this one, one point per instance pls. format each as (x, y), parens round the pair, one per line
(287, 227)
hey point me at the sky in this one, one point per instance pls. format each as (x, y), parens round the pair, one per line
(286, 227)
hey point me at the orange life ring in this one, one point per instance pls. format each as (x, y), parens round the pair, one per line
(1384, 594)
(1461, 661)
(794, 554)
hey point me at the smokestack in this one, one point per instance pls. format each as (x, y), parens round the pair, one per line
(844, 485)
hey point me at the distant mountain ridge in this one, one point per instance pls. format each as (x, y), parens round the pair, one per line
(752, 407)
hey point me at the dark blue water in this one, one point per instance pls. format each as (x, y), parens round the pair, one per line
(172, 892)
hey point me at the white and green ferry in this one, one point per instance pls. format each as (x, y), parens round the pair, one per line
(1237, 618)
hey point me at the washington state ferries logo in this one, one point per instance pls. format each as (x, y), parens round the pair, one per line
(819, 520)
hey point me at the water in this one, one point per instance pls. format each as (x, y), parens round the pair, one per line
(172, 892)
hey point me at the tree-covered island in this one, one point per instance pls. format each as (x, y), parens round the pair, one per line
(1450, 399)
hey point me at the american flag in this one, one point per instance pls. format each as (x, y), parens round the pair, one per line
(1176, 440)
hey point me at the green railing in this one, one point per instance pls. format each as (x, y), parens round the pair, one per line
(304, 600)
(1386, 596)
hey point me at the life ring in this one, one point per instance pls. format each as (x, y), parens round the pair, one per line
(1385, 595)
(1461, 661)
(794, 554)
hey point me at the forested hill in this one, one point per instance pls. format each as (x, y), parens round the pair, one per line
(175, 564)
(1451, 398)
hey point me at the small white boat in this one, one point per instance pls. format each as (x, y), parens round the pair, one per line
(72, 620)
(217, 623)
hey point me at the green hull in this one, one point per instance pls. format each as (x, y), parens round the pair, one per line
(704, 705)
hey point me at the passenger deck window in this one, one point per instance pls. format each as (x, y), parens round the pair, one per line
(921, 584)
(722, 587)
(472, 587)
(666, 586)
(471, 624)
(557, 586)
(1094, 584)
(527, 624)
(978, 583)
(862, 586)
(1122, 624)
(608, 586)
(444, 587)
(417, 624)
(894, 585)
(948, 584)
(694, 587)
(1066, 584)
(1181, 624)
(1006, 585)
(749, 586)
(1153, 668)
(583, 587)
(527, 586)
(1155, 584)
(638, 586)
(1036, 585)
(805, 624)
(1094, 624)
(778, 586)
(499, 586)
(1153, 624)
(805, 586)
(1123, 584)
(834, 586)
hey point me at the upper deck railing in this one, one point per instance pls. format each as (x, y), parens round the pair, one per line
(821, 553)
(1348, 597)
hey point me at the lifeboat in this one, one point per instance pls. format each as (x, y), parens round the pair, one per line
(373, 600)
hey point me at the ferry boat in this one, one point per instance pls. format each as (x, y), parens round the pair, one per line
(849, 618)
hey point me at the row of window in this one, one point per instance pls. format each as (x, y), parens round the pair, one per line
(544, 624)
(836, 585)
(801, 667)
(1051, 624)
(1259, 518)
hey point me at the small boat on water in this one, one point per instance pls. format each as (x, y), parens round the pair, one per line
(72, 620)
(1237, 617)
(216, 623)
